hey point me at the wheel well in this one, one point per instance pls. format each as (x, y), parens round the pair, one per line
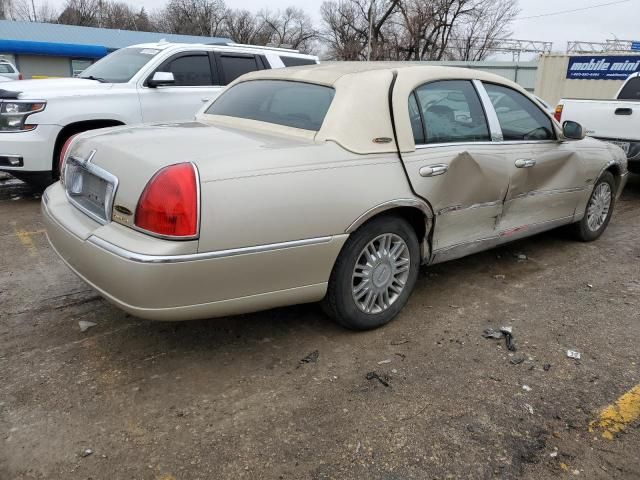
(74, 128)
(414, 216)
(616, 171)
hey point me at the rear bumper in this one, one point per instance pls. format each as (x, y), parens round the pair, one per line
(33, 148)
(166, 285)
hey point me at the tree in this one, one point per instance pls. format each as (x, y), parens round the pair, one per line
(30, 11)
(291, 28)
(192, 17)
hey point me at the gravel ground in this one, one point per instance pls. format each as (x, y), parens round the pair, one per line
(286, 394)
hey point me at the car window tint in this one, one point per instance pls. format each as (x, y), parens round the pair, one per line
(416, 120)
(293, 104)
(520, 118)
(235, 66)
(631, 90)
(6, 68)
(452, 112)
(190, 70)
(296, 61)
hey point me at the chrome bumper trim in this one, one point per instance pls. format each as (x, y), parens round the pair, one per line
(193, 257)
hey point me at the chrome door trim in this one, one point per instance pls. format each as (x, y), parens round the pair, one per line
(458, 208)
(485, 142)
(490, 112)
(556, 191)
(400, 202)
(505, 236)
(193, 257)
(525, 163)
(433, 170)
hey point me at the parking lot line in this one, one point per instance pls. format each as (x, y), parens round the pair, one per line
(615, 417)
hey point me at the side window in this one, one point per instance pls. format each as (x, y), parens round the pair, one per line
(190, 70)
(519, 117)
(234, 66)
(296, 61)
(451, 112)
(6, 68)
(631, 90)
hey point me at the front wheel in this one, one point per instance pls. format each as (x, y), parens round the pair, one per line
(599, 209)
(374, 274)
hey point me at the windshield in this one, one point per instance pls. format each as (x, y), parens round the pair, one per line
(293, 104)
(120, 66)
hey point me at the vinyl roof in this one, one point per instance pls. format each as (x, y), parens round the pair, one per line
(73, 35)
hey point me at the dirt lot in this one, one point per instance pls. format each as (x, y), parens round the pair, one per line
(232, 398)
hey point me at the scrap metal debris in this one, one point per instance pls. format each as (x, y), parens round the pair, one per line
(383, 362)
(517, 360)
(505, 332)
(383, 379)
(84, 325)
(573, 354)
(86, 452)
(311, 358)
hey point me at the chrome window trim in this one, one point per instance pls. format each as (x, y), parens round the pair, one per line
(192, 257)
(198, 200)
(493, 143)
(492, 117)
(98, 172)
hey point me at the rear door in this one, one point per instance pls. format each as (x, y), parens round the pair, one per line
(231, 65)
(546, 176)
(455, 165)
(196, 82)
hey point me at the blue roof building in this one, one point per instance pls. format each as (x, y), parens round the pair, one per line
(49, 49)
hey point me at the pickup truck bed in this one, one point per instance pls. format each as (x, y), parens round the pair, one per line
(616, 121)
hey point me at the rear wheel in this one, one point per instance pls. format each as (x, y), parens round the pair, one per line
(374, 274)
(599, 209)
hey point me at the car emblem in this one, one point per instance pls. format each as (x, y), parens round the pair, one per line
(123, 210)
(382, 140)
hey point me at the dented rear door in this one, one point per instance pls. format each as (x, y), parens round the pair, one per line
(455, 166)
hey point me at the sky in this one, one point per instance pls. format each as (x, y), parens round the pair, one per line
(594, 25)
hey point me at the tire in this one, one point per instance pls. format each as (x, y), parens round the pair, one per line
(595, 220)
(384, 279)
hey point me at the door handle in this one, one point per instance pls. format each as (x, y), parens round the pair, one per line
(433, 170)
(205, 100)
(525, 163)
(624, 111)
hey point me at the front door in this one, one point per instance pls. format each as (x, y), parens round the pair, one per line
(196, 83)
(547, 178)
(456, 166)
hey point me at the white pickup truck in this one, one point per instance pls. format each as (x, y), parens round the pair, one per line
(614, 121)
(159, 82)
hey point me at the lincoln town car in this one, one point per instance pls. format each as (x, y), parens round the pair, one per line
(326, 183)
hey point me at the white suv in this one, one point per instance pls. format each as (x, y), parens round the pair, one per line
(157, 82)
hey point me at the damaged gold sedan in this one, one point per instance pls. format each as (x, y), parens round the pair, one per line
(327, 183)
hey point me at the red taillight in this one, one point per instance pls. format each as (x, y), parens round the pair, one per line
(63, 153)
(169, 203)
(558, 114)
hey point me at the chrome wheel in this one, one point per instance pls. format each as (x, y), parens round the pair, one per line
(599, 207)
(380, 274)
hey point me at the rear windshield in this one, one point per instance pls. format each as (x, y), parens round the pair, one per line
(293, 104)
(631, 91)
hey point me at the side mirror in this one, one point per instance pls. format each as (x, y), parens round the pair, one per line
(573, 130)
(161, 78)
